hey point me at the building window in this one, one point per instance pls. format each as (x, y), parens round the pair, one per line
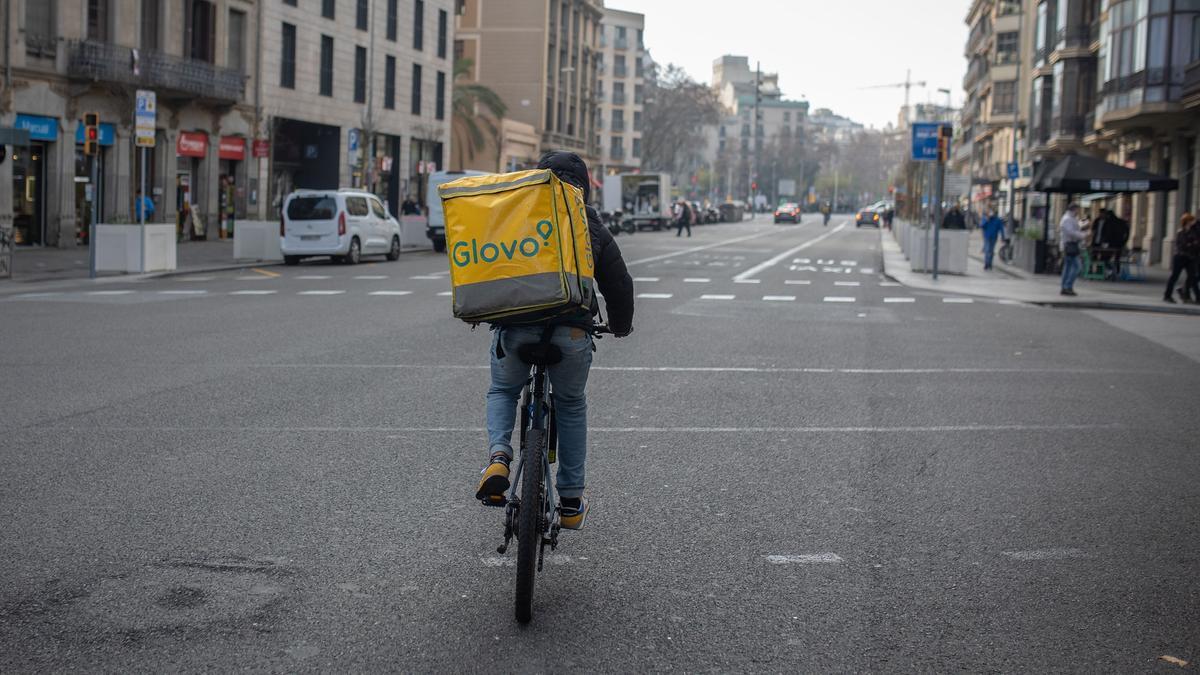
(619, 66)
(326, 65)
(460, 50)
(389, 83)
(618, 93)
(440, 104)
(617, 147)
(618, 120)
(637, 147)
(287, 61)
(1003, 97)
(290, 2)
(416, 88)
(97, 20)
(641, 35)
(622, 42)
(327, 8)
(360, 15)
(637, 94)
(637, 121)
(149, 23)
(40, 37)
(391, 19)
(360, 74)
(1006, 47)
(419, 25)
(199, 32)
(235, 56)
(443, 27)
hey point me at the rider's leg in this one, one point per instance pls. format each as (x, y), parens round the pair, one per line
(509, 375)
(569, 378)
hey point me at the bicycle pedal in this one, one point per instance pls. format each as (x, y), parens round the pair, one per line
(497, 501)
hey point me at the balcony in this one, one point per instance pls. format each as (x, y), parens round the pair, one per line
(979, 35)
(1191, 82)
(1074, 37)
(105, 62)
(1006, 58)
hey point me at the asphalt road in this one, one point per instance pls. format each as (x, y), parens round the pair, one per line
(795, 465)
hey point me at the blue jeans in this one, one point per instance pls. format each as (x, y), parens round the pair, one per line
(1071, 267)
(568, 380)
(989, 252)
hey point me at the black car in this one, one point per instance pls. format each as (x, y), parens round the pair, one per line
(868, 216)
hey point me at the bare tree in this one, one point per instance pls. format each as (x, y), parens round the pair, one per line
(677, 108)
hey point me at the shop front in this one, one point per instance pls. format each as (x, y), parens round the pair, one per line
(87, 193)
(29, 179)
(191, 147)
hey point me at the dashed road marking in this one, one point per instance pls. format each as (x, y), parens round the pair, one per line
(848, 263)
(656, 296)
(183, 292)
(323, 292)
(390, 293)
(846, 283)
(371, 277)
(696, 280)
(427, 277)
(839, 298)
(890, 300)
(802, 261)
(446, 294)
(958, 301)
(109, 292)
(747, 281)
(648, 280)
(717, 297)
(779, 298)
(798, 282)
(313, 277)
(46, 294)
(253, 292)
(866, 270)
(805, 559)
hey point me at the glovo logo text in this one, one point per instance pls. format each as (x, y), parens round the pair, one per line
(466, 253)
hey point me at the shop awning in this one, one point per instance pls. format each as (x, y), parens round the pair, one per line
(1080, 174)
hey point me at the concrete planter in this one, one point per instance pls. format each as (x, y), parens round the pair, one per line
(135, 249)
(413, 235)
(257, 240)
(952, 251)
(1029, 254)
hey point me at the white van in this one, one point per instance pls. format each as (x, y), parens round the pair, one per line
(435, 229)
(343, 224)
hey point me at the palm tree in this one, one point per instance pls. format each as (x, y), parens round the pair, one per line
(472, 129)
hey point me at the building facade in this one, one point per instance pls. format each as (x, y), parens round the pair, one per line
(621, 82)
(253, 99)
(542, 59)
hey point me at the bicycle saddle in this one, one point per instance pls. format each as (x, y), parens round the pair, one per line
(538, 354)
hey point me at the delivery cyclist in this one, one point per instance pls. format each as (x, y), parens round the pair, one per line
(568, 377)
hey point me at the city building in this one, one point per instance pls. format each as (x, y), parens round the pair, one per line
(542, 60)
(623, 62)
(253, 99)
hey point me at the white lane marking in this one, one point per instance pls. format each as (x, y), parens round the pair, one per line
(866, 270)
(313, 277)
(802, 268)
(835, 270)
(696, 280)
(446, 294)
(958, 301)
(656, 296)
(798, 282)
(887, 300)
(846, 283)
(746, 281)
(802, 261)
(390, 293)
(371, 277)
(648, 280)
(804, 559)
(1046, 554)
(848, 263)
(45, 294)
(254, 292)
(320, 292)
(426, 276)
(717, 297)
(694, 249)
(183, 292)
(888, 284)
(753, 271)
(839, 298)
(109, 292)
(779, 298)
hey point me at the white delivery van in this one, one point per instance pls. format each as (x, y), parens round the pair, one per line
(435, 229)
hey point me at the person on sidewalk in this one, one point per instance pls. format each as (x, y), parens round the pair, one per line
(1070, 238)
(1184, 253)
(993, 229)
(143, 203)
(953, 220)
(1114, 238)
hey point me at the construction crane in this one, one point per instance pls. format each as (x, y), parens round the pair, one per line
(907, 85)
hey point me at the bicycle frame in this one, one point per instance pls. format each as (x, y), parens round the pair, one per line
(537, 405)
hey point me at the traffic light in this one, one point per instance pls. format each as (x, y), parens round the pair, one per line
(91, 133)
(945, 132)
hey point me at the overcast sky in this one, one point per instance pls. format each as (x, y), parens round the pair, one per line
(823, 50)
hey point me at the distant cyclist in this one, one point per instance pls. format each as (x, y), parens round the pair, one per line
(826, 211)
(568, 377)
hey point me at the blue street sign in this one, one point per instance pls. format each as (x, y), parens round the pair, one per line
(40, 128)
(925, 141)
(1014, 171)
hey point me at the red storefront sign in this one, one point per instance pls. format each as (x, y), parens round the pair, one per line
(261, 148)
(232, 147)
(191, 144)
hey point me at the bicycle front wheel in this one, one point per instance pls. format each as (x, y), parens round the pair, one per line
(530, 521)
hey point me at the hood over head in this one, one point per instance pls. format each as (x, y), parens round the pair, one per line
(569, 167)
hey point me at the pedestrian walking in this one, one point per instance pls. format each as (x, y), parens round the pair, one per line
(993, 229)
(143, 204)
(1185, 257)
(1070, 238)
(684, 217)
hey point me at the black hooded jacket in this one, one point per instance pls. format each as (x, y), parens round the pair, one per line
(611, 275)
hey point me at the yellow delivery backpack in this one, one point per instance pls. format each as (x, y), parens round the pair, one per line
(518, 245)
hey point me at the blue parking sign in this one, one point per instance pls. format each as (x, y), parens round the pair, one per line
(1014, 171)
(925, 141)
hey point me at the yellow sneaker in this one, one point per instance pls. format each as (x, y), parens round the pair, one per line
(494, 483)
(572, 513)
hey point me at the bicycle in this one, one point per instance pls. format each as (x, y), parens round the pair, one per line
(532, 483)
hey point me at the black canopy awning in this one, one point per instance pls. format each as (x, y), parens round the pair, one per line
(1080, 174)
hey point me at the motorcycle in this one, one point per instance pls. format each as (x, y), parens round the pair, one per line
(616, 224)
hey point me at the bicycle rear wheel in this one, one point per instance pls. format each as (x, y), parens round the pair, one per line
(530, 521)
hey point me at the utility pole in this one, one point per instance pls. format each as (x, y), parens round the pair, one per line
(756, 148)
(1012, 182)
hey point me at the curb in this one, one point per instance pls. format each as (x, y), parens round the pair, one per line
(203, 270)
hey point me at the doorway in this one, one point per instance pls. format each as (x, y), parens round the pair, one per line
(29, 195)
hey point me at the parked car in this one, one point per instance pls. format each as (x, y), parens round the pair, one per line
(867, 216)
(789, 212)
(342, 224)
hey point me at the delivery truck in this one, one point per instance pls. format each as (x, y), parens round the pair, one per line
(643, 198)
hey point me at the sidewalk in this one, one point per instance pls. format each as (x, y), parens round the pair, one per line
(41, 264)
(1008, 283)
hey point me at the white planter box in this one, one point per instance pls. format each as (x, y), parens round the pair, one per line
(256, 240)
(952, 251)
(135, 248)
(412, 234)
